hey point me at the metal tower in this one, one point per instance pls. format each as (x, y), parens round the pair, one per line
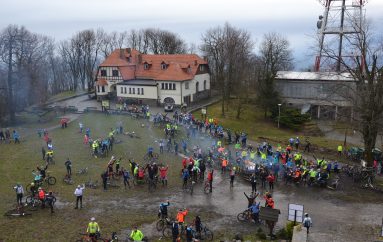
(342, 20)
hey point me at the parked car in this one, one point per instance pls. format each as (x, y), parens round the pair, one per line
(168, 107)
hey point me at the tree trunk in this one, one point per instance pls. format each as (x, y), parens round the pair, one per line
(239, 108)
(11, 107)
(369, 136)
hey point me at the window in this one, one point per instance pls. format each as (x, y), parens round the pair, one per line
(115, 73)
(186, 85)
(174, 86)
(138, 91)
(166, 86)
(122, 90)
(125, 90)
(201, 68)
(98, 88)
(162, 86)
(197, 87)
(103, 89)
(103, 72)
(146, 66)
(130, 90)
(134, 90)
(163, 66)
(204, 85)
(142, 91)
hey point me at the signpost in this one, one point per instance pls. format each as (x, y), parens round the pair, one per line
(204, 111)
(270, 215)
(295, 213)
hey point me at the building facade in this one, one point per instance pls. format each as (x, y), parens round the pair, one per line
(127, 74)
(322, 94)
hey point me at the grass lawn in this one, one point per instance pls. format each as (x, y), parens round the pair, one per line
(62, 95)
(17, 162)
(258, 128)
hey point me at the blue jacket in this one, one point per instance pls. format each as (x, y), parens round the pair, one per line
(254, 208)
(185, 174)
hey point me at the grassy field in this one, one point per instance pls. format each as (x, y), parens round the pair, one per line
(260, 129)
(17, 162)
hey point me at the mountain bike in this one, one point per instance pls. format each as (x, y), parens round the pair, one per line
(19, 211)
(205, 234)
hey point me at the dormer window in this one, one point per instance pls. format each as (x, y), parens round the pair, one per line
(103, 72)
(114, 72)
(146, 66)
(201, 68)
(164, 66)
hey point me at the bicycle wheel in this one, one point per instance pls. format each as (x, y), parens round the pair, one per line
(167, 232)
(51, 180)
(160, 225)
(206, 189)
(28, 199)
(242, 217)
(28, 188)
(207, 235)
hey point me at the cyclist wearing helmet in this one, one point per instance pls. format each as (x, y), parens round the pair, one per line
(93, 229)
(49, 199)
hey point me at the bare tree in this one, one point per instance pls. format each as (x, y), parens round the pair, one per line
(275, 55)
(228, 50)
(366, 97)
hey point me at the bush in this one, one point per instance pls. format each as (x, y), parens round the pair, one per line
(290, 118)
(261, 234)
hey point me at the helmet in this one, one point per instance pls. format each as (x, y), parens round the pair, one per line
(306, 214)
(32, 184)
(40, 188)
(92, 219)
(78, 186)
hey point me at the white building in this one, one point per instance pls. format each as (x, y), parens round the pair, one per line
(130, 75)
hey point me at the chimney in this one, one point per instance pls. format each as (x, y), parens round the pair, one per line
(139, 59)
(122, 53)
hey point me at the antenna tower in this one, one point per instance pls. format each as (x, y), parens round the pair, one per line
(341, 20)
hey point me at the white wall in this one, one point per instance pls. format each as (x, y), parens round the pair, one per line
(175, 94)
(150, 92)
(109, 78)
(192, 85)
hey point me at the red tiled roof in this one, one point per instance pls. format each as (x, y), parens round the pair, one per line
(177, 65)
(101, 82)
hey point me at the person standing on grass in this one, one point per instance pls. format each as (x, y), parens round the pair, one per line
(253, 181)
(68, 165)
(78, 193)
(16, 137)
(232, 176)
(210, 179)
(19, 193)
(104, 177)
(49, 199)
(307, 222)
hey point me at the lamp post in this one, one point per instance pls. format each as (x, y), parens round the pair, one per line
(279, 112)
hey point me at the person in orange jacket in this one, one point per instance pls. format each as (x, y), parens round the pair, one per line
(224, 165)
(181, 216)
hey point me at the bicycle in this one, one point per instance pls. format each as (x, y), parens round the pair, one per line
(153, 158)
(82, 171)
(32, 202)
(19, 211)
(205, 234)
(112, 183)
(152, 184)
(162, 222)
(68, 180)
(245, 216)
(190, 187)
(206, 188)
(91, 184)
(97, 237)
(167, 231)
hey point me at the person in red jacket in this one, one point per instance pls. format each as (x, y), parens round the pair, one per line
(269, 201)
(271, 179)
(210, 179)
(164, 175)
(184, 162)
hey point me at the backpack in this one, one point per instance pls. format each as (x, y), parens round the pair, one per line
(307, 223)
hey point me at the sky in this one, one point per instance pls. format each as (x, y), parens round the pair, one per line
(294, 19)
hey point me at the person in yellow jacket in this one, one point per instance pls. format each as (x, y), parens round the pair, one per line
(340, 149)
(93, 229)
(136, 235)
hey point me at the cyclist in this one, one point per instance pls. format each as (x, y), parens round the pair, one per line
(251, 199)
(126, 177)
(198, 224)
(163, 212)
(189, 234)
(175, 232)
(118, 165)
(19, 193)
(181, 216)
(93, 229)
(185, 177)
(163, 175)
(269, 201)
(43, 171)
(150, 152)
(49, 198)
(33, 189)
(210, 179)
(68, 165)
(42, 197)
(136, 234)
(254, 208)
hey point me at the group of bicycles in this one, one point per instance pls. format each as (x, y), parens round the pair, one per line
(164, 225)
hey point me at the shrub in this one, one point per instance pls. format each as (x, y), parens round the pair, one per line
(290, 118)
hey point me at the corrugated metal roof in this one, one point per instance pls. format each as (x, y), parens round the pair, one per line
(314, 76)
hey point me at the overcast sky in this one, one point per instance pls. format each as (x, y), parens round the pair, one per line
(295, 19)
